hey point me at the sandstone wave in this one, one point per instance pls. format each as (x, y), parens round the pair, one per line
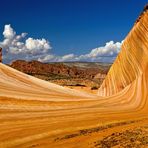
(35, 113)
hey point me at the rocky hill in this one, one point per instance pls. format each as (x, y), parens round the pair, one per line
(68, 73)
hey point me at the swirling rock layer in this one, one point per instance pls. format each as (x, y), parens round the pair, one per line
(132, 60)
(35, 113)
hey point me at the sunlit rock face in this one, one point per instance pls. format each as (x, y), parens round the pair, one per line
(36, 113)
(132, 60)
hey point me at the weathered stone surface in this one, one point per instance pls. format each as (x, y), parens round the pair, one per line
(131, 61)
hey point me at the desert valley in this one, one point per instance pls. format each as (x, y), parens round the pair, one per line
(85, 76)
(78, 105)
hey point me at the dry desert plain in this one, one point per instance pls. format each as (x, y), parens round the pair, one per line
(36, 113)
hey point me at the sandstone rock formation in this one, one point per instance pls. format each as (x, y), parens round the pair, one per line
(63, 69)
(36, 113)
(132, 61)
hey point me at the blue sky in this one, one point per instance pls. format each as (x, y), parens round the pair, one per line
(71, 26)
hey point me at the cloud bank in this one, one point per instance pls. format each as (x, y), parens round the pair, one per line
(20, 47)
(13, 43)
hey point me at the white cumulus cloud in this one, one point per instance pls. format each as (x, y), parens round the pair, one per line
(109, 49)
(37, 45)
(15, 44)
(19, 47)
(105, 53)
(9, 33)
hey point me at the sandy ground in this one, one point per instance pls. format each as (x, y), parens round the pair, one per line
(83, 89)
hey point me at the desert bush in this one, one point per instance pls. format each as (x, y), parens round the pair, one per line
(94, 88)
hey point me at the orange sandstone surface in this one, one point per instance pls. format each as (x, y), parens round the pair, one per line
(36, 113)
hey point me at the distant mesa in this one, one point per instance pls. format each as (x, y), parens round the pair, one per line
(65, 73)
